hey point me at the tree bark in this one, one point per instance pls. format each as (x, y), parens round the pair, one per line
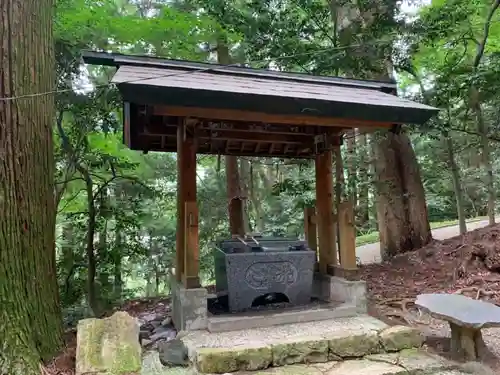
(457, 186)
(30, 315)
(245, 192)
(259, 212)
(90, 252)
(485, 155)
(235, 208)
(103, 250)
(401, 207)
(364, 181)
(352, 179)
(475, 105)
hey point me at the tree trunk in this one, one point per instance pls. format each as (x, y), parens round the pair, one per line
(117, 251)
(91, 258)
(103, 251)
(117, 269)
(236, 211)
(339, 177)
(256, 204)
(457, 186)
(66, 270)
(352, 180)
(418, 218)
(31, 326)
(364, 181)
(401, 208)
(245, 191)
(149, 270)
(485, 156)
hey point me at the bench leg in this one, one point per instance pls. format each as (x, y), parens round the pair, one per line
(467, 342)
(456, 346)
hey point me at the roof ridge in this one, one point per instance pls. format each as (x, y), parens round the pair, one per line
(116, 59)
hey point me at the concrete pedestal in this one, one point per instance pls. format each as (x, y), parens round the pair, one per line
(189, 308)
(337, 289)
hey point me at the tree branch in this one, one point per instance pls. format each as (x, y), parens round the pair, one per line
(482, 44)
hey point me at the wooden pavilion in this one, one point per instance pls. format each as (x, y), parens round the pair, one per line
(196, 108)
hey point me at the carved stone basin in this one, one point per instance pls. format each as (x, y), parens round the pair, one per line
(248, 269)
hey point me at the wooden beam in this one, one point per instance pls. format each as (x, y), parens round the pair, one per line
(217, 147)
(191, 254)
(237, 115)
(325, 214)
(347, 236)
(155, 129)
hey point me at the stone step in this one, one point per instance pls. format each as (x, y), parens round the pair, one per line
(313, 342)
(406, 362)
(236, 322)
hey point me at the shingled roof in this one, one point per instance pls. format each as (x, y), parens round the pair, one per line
(239, 111)
(149, 80)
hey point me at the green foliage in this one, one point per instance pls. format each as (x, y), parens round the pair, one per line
(126, 201)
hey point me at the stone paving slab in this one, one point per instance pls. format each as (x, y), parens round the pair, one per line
(407, 362)
(421, 362)
(266, 336)
(332, 340)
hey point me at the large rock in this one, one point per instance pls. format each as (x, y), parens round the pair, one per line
(397, 338)
(355, 345)
(222, 360)
(305, 350)
(108, 346)
(151, 365)
(173, 353)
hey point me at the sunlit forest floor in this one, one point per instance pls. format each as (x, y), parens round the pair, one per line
(468, 264)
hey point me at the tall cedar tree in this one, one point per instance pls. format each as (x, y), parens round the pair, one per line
(30, 319)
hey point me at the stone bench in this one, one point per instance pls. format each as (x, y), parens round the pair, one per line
(466, 317)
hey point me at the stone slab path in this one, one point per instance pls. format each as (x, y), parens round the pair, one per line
(370, 253)
(407, 362)
(348, 346)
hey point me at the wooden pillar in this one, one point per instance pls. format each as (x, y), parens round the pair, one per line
(310, 230)
(181, 218)
(347, 236)
(325, 215)
(187, 217)
(235, 203)
(339, 189)
(191, 254)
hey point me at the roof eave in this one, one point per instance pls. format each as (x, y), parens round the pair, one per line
(99, 58)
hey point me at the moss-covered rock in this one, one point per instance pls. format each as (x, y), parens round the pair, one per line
(397, 338)
(355, 345)
(108, 346)
(304, 350)
(222, 360)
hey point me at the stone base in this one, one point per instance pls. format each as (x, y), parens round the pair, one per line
(262, 319)
(467, 343)
(189, 308)
(337, 289)
(314, 342)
